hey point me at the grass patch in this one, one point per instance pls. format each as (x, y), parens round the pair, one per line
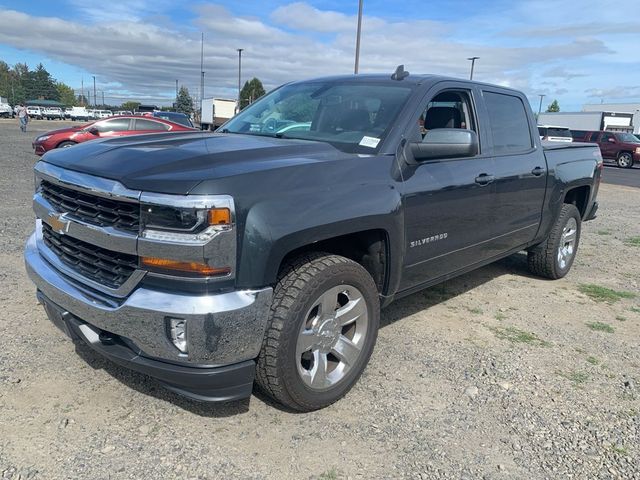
(500, 316)
(633, 241)
(593, 360)
(604, 232)
(603, 294)
(476, 311)
(578, 378)
(635, 309)
(329, 475)
(619, 450)
(600, 327)
(621, 318)
(515, 335)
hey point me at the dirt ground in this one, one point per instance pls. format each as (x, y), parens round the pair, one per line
(493, 375)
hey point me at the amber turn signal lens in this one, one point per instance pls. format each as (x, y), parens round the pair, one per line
(220, 216)
(185, 267)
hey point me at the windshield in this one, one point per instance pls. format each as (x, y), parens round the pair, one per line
(354, 117)
(627, 138)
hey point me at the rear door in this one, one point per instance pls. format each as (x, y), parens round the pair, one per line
(146, 125)
(520, 170)
(447, 203)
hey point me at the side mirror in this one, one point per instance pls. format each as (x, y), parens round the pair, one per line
(93, 131)
(442, 143)
(611, 140)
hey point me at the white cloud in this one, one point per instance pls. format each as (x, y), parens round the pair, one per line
(134, 56)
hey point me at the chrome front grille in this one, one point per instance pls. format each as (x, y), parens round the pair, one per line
(104, 266)
(100, 211)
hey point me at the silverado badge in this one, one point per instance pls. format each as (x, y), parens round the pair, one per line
(58, 222)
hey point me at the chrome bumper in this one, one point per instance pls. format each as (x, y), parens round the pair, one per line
(222, 329)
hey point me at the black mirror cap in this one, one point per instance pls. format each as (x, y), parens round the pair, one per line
(443, 143)
(93, 130)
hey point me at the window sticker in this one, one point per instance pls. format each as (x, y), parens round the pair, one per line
(370, 142)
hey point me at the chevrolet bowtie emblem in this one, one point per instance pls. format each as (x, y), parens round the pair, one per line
(58, 222)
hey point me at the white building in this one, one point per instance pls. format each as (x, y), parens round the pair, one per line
(629, 108)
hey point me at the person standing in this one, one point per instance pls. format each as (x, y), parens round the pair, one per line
(23, 117)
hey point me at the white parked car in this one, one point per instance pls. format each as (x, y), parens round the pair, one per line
(35, 112)
(53, 113)
(123, 112)
(554, 134)
(78, 113)
(5, 110)
(104, 113)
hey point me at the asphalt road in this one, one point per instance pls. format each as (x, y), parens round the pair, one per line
(629, 177)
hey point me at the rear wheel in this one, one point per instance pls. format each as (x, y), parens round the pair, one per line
(323, 327)
(66, 144)
(553, 257)
(625, 160)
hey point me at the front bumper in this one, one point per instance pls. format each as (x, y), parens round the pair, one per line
(222, 329)
(217, 384)
(38, 148)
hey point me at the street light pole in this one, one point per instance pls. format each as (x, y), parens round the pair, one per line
(102, 98)
(176, 105)
(473, 62)
(95, 102)
(540, 106)
(359, 31)
(239, 75)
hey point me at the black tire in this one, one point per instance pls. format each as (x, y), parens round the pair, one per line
(625, 160)
(66, 144)
(301, 283)
(544, 259)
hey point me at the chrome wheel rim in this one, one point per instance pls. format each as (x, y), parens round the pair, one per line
(624, 160)
(332, 337)
(567, 247)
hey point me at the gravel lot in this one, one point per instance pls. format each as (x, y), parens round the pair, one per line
(495, 374)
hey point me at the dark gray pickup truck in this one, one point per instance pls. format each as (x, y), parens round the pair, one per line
(264, 252)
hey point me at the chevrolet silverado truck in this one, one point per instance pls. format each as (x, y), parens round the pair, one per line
(262, 253)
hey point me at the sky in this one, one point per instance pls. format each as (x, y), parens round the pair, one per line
(575, 52)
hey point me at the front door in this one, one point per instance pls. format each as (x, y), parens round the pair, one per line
(447, 203)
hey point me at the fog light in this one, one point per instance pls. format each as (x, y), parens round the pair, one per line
(177, 331)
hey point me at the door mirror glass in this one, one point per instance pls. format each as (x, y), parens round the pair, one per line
(442, 143)
(93, 131)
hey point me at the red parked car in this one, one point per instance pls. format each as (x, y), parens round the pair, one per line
(621, 147)
(110, 127)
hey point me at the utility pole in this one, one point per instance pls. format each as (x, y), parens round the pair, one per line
(102, 98)
(540, 106)
(95, 102)
(176, 105)
(239, 76)
(201, 74)
(358, 33)
(82, 92)
(473, 62)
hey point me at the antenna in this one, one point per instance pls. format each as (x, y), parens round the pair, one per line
(400, 73)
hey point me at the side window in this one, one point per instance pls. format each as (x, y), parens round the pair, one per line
(606, 137)
(594, 137)
(449, 109)
(115, 125)
(148, 125)
(509, 124)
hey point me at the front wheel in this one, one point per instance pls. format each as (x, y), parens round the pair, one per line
(321, 332)
(625, 160)
(553, 257)
(66, 144)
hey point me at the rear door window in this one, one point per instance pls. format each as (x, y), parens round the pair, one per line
(115, 125)
(509, 123)
(150, 125)
(593, 137)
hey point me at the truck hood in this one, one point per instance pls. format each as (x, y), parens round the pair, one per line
(176, 162)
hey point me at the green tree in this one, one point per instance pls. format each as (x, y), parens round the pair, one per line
(251, 91)
(66, 94)
(40, 84)
(82, 101)
(554, 107)
(130, 106)
(184, 102)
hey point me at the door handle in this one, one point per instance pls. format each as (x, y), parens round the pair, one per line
(484, 179)
(538, 171)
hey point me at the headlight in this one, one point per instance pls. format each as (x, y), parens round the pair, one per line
(192, 225)
(42, 138)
